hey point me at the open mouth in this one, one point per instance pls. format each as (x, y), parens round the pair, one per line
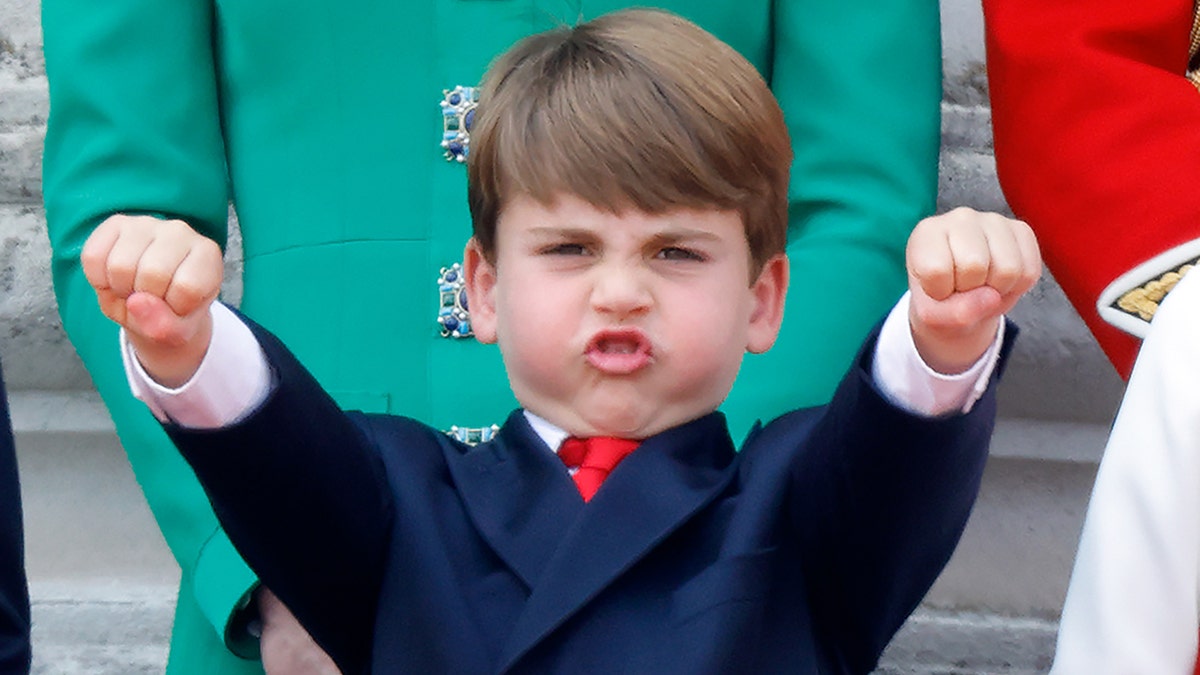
(618, 351)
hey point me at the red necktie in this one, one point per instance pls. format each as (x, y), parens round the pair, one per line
(595, 457)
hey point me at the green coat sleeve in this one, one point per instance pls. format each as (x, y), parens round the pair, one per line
(134, 128)
(860, 85)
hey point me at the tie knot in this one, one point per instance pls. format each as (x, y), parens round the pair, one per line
(597, 452)
(593, 458)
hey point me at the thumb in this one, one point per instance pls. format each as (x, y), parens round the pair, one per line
(150, 318)
(962, 310)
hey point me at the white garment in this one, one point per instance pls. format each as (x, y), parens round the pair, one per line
(1131, 606)
(234, 377)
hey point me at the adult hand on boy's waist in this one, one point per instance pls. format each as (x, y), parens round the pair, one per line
(156, 279)
(966, 270)
(287, 648)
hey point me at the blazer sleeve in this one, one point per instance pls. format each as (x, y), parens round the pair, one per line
(1097, 138)
(301, 488)
(14, 593)
(134, 128)
(860, 86)
(879, 498)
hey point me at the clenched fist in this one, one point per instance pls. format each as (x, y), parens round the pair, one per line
(157, 279)
(965, 270)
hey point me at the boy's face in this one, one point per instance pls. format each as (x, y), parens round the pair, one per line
(621, 325)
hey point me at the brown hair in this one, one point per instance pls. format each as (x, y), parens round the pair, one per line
(638, 108)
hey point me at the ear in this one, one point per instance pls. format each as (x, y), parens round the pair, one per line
(480, 278)
(770, 291)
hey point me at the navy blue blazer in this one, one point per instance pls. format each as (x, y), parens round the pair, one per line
(404, 551)
(14, 594)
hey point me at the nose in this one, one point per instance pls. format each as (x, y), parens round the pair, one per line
(620, 291)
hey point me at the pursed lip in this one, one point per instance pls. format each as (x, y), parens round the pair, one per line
(619, 351)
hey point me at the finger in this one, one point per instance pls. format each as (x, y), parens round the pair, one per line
(969, 250)
(111, 305)
(1005, 266)
(961, 311)
(94, 256)
(930, 262)
(1031, 265)
(158, 265)
(1031, 254)
(197, 280)
(124, 257)
(149, 317)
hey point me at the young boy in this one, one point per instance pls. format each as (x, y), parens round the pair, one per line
(628, 183)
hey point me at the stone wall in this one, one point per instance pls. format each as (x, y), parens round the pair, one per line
(36, 353)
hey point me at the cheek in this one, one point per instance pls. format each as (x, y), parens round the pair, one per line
(717, 316)
(714, 333)
(531, 331)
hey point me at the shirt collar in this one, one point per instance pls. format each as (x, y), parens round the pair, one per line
(550, 434)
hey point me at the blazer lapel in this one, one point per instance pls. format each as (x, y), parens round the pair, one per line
(518, 495)
(648, 496)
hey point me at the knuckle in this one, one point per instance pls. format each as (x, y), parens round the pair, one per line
(92, 259)
(153, 279)
(121, 273)
(959, 216)
(187, 291)
(210, 251)
(922, 269)
(1005, 271)
(922, 225)
(972, 266)
(117, 222)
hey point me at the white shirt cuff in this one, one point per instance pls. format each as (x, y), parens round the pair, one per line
(232, 381)
(908, 382)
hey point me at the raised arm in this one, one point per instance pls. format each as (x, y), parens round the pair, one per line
(134, 127)
(301, 488)
(302, 493)
(1097, 136)
(881, 499)
(860, 87)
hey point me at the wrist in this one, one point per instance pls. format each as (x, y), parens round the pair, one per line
(172, 365)
(953, 352)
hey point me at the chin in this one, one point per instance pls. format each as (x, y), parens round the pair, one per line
(621, 421)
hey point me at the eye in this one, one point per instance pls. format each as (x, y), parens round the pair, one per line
(677, 253)
(564, 249)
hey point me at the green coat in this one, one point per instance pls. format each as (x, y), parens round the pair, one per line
(322, 126)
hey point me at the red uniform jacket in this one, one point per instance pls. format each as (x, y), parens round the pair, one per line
(1097, 134)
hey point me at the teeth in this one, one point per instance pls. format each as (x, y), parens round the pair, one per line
(621, 347)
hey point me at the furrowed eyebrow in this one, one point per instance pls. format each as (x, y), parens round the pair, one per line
(682, 236)
(561, 233)
(539, 236)
(669, 237)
